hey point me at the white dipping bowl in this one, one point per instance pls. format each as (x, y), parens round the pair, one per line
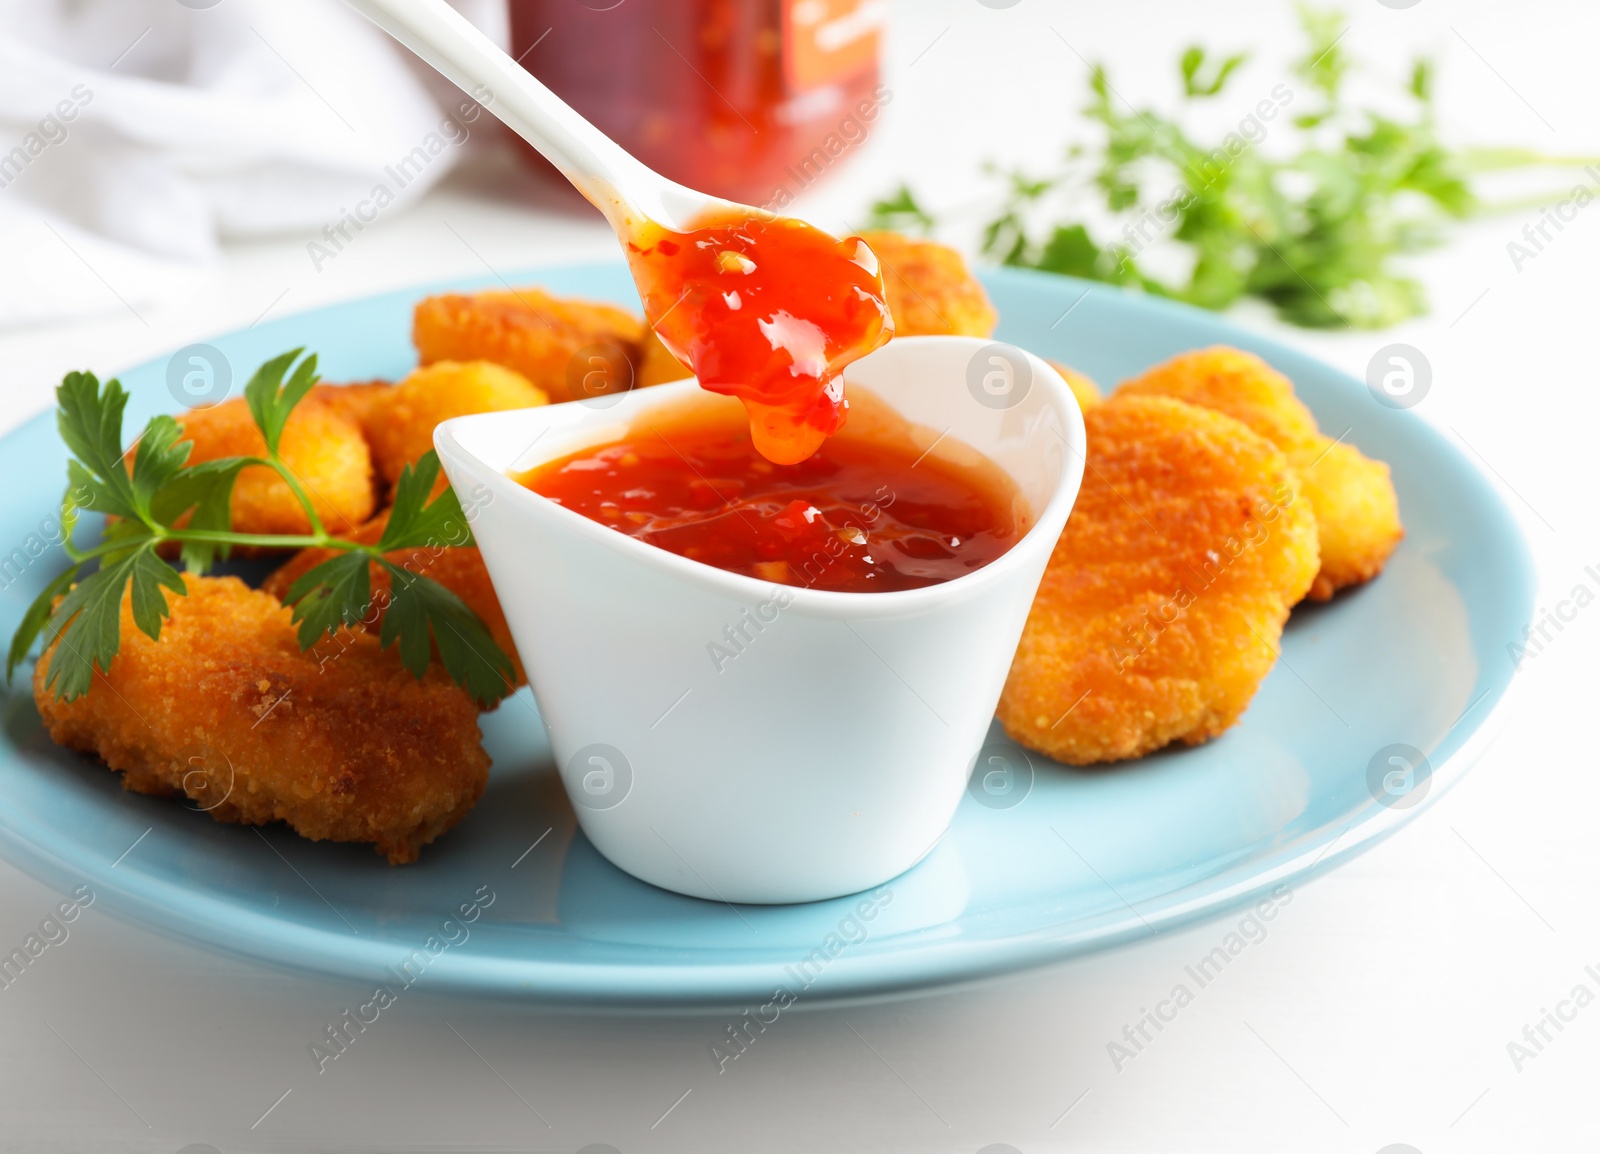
(830, 754)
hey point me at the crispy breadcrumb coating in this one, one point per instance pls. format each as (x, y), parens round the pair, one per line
(320, 444)
(226, 710)
(357, 400)
(458, 568)
(931, 291)
(528, 330)
(1162, 607)
(403, 418)
(1358, 512)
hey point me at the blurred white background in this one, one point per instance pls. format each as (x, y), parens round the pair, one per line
(1390, 986)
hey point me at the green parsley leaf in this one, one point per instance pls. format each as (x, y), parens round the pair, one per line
(1193, 60)
(88, 622)
(35, 618)
(468, 651)
(900, 212)
(271, 400)
(414, 520)
(90, 421)
(206, 491)
(158, 459)
(1324, 65)
(335, 593)
(1313, 225)
(160, 499)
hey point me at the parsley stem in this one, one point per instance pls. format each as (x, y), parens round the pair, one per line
(276, 463)
(1524, 203)
(1499, 159)
(221, 537)
(260, 540)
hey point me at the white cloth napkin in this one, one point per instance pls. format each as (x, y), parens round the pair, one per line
(135, 135)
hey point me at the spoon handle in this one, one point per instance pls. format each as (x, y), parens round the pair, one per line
(613, 181)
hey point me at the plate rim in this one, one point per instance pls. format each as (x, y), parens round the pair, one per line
(258, 937)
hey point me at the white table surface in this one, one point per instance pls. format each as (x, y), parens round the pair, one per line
(1377, 1012)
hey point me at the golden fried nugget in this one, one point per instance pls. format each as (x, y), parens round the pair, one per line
(321, 445)
(656, 366)
(458, 568)
(403, 418)
(226, 710)
(931, 290)
(1235, 382)
(528, 330)
(1082, 386)
(1164, 600)
(1358, 512)
(357, 400)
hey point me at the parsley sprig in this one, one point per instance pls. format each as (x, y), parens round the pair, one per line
(1313, 227)
(158, 499)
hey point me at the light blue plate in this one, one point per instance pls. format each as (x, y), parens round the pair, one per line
(1084, 860)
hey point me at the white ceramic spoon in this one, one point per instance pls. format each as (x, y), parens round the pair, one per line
(640, 203)
(625, 190)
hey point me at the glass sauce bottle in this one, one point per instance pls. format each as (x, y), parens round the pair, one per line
(753, 100)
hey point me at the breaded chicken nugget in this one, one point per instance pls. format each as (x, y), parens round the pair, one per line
(931, 290)
(656, 366)
(528, 330)
(1235, 382)
(1164, 600)
(323, 446)
(459, 569)
(403, 418)
(357, 400)
(228, 711)
(1358, 512)
(1083, 387)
